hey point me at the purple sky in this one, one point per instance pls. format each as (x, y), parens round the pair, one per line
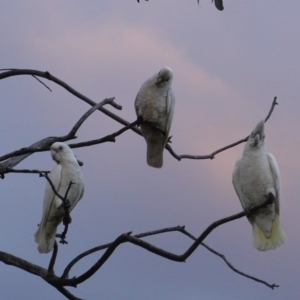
(228, 66)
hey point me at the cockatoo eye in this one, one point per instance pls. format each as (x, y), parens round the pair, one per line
(60, 148)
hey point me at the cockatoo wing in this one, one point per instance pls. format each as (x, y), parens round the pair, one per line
(238, 186)
(276, 175)
(170, 110)
(49, 198)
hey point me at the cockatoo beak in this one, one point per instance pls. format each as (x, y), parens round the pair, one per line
(259, 130)
(54, 151)
(158, 81)
(258, 133)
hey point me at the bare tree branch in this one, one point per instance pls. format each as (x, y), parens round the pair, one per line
(52, 186)
(20, 263)
(11, 159)
(272, 286)
(50, 77)
(91, 110)
(53, 259)
(47, 75)
(274, 103)
(108, 138)
(40, 81)
(26, 171)
(66, 293)
(102, 247)
(213, 154)
(127, 237)
(160, 231)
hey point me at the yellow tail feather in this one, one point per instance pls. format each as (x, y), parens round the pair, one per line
(277, 238)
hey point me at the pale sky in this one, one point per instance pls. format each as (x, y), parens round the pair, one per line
(228, 66)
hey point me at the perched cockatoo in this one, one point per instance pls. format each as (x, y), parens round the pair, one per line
(67, 170)
(154, 105)
(254, 176)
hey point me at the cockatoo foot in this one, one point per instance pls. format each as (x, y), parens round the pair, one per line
(271, 198)
(67, 204)
(247, 210)
(139, 121)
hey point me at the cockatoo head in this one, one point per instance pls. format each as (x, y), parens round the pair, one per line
(257, 136)
(61, 151)
(164, 77)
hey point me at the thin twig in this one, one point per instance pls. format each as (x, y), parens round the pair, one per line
(274, 103)
(47, 75)
(12, 159)
(213, 154)
(44, 144)
(272, 286)
(66, 293)
(26, 171)
(127, 237)
(52, 186)
(53, 259)
(40, 81)
(109, 138)
(90, 111)
(66, 219)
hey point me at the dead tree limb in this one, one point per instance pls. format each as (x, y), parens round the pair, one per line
(213, 154)
(127, 237)
(60, 282)
(228, 263)
(47, 75)
(10, 160)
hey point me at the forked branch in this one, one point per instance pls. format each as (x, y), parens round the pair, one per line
(11, 159)
(128, 237)
(5, 166)
(60, 283)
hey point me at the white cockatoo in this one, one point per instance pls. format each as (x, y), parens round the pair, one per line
(67, 170)
(254, 176)
(154, 105)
